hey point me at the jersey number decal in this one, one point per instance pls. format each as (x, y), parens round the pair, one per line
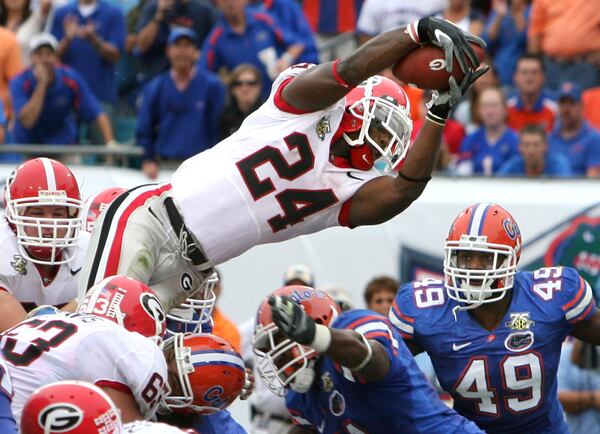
(296, 204)
(61, 331)
(550, 281)
(428, 293)
(154, 390)
(521, 378)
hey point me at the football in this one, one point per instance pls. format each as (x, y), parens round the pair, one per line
(425, 67)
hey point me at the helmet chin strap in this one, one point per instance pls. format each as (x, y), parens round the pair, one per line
(304, 379)
(361, 157)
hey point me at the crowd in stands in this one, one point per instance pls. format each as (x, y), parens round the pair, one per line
(177, 76)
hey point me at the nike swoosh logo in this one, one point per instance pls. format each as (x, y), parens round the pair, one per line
(461, 346)
(365, 159)
(321, 427)
(350, 175)
(74, 272)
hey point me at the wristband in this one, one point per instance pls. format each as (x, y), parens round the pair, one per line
(367, 358)
(322, 339)
(338, 78)
(412, 30)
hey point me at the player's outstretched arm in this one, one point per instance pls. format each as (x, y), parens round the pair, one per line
(367, 357)
(588, 330)
(327, 83)
(11, 311)
(385, 197)
(125, 402)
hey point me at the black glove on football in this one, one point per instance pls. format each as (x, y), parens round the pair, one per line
(291, 320)
(452, 39)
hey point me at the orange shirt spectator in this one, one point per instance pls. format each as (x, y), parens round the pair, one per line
(10, 64)
(591, 106)
(565, 28)
(543, 112)
(226, 329)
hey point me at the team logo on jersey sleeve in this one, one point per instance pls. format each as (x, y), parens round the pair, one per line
(519, 341)
(19, 264)
(520, 321)
(326, 382)
(323, 128)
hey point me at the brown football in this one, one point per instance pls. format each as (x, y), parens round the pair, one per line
(425, 67)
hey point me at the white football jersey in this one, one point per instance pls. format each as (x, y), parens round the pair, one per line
(145, 427)
(270, 181)
(22, 279)
(50, 348)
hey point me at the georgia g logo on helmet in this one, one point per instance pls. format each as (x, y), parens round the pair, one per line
(152, 306)
(61, 417)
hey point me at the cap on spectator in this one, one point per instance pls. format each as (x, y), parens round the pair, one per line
(42, 40)
(569, 90)
(182, 32)
(298, 273)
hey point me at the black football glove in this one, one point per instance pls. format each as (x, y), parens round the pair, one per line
(291, 320)
(451, 38)
(442, 101)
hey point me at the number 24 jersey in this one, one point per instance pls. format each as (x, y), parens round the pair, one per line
(505, 379)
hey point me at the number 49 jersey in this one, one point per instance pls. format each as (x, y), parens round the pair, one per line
(274, 175)
(505, 379)
(50, 348)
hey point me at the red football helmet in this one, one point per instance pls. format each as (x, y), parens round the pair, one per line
(211, 373)
(489, 229)
(129, 303)
(282, 362)
(381, 103)
(96, 204)
(43, 182)
(70, 407)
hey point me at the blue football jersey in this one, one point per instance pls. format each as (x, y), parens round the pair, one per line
(505, 379)
(402, 402)
(7, 421)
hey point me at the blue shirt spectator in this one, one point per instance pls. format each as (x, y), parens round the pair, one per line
(506, 35)
(92, 36)
(180, 108)
(2, 123)
(573, 136)
(580, 384)
(555, 165)
(290, 17)
(48, 97)
(332, 17)
(487, 157)
(157, 19)
(242, 36)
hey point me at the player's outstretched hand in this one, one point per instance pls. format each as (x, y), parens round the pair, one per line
(442, 101)
(291, 320)
(452, 39)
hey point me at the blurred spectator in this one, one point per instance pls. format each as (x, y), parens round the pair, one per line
(10, 65)
(579, 386)
(460, 13)
(380, 293)
(341, 296)
(242, 36)
(532, 104)
(591, 104)
(378, 16)
(2, 123)
(157, 19)
(299, 274)
(91, 35)
(485, 150)
(180, 109)
(534, 159)
(47, 95)
(573, 136)
(567, 33)
(290, 16)
(244, 97)
(24, 21)
(466, 110)
(329, 18)
(506, 35)
(222, 325)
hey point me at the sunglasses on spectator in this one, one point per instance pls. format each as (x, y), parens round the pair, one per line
(238, 83)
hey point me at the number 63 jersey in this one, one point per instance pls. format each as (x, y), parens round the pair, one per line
(504, 380)
(270, 181)
(50, 348)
